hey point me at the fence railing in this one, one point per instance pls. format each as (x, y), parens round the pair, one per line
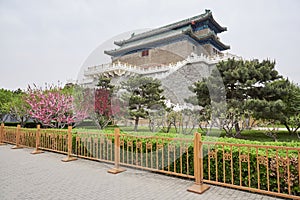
(54, 140)
(271, 170)
(158, 154)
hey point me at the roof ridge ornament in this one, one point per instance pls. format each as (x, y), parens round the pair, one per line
(207, 11)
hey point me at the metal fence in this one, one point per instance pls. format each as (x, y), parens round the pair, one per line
(271, 170)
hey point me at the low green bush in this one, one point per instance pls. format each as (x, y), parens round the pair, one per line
(267, 169)
(181, 160)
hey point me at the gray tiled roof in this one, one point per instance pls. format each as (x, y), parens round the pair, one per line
(201, 17)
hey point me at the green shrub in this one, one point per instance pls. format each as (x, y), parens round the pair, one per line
(181, 160)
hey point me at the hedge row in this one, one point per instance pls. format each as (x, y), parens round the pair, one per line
(182, 162)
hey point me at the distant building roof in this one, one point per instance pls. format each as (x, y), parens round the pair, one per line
(189, 29)
(146, 43)
(205, 16)
(165, 38)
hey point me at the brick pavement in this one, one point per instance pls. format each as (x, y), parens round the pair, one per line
(44, 176)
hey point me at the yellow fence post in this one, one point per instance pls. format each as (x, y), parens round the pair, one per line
(2, 134)
(17, 138)
(117, 168)
(69, 158)
(198, 187)
(37, 141)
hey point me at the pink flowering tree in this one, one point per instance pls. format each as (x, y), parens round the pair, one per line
(54, 108)
(106, 108)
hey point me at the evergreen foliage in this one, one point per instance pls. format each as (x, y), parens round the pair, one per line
(249, 88)
(143, 94)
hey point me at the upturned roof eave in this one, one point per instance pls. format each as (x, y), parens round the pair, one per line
(201, 17)
(221, 28)
(210, 35)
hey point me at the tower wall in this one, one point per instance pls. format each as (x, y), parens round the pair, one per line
(164, 55)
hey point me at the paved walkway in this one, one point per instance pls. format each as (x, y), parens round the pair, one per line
(44, 176)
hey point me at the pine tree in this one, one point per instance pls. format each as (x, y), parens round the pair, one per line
(143, 94)
(244, 82)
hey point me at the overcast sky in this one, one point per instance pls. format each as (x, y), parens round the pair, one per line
(46, 41)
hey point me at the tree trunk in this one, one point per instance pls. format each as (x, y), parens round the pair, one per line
(296, 129)
(169, 127)
(237, 130)
(287, 127)
(22, 122)
(175, 127)
(227, 132)
(136, 124)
